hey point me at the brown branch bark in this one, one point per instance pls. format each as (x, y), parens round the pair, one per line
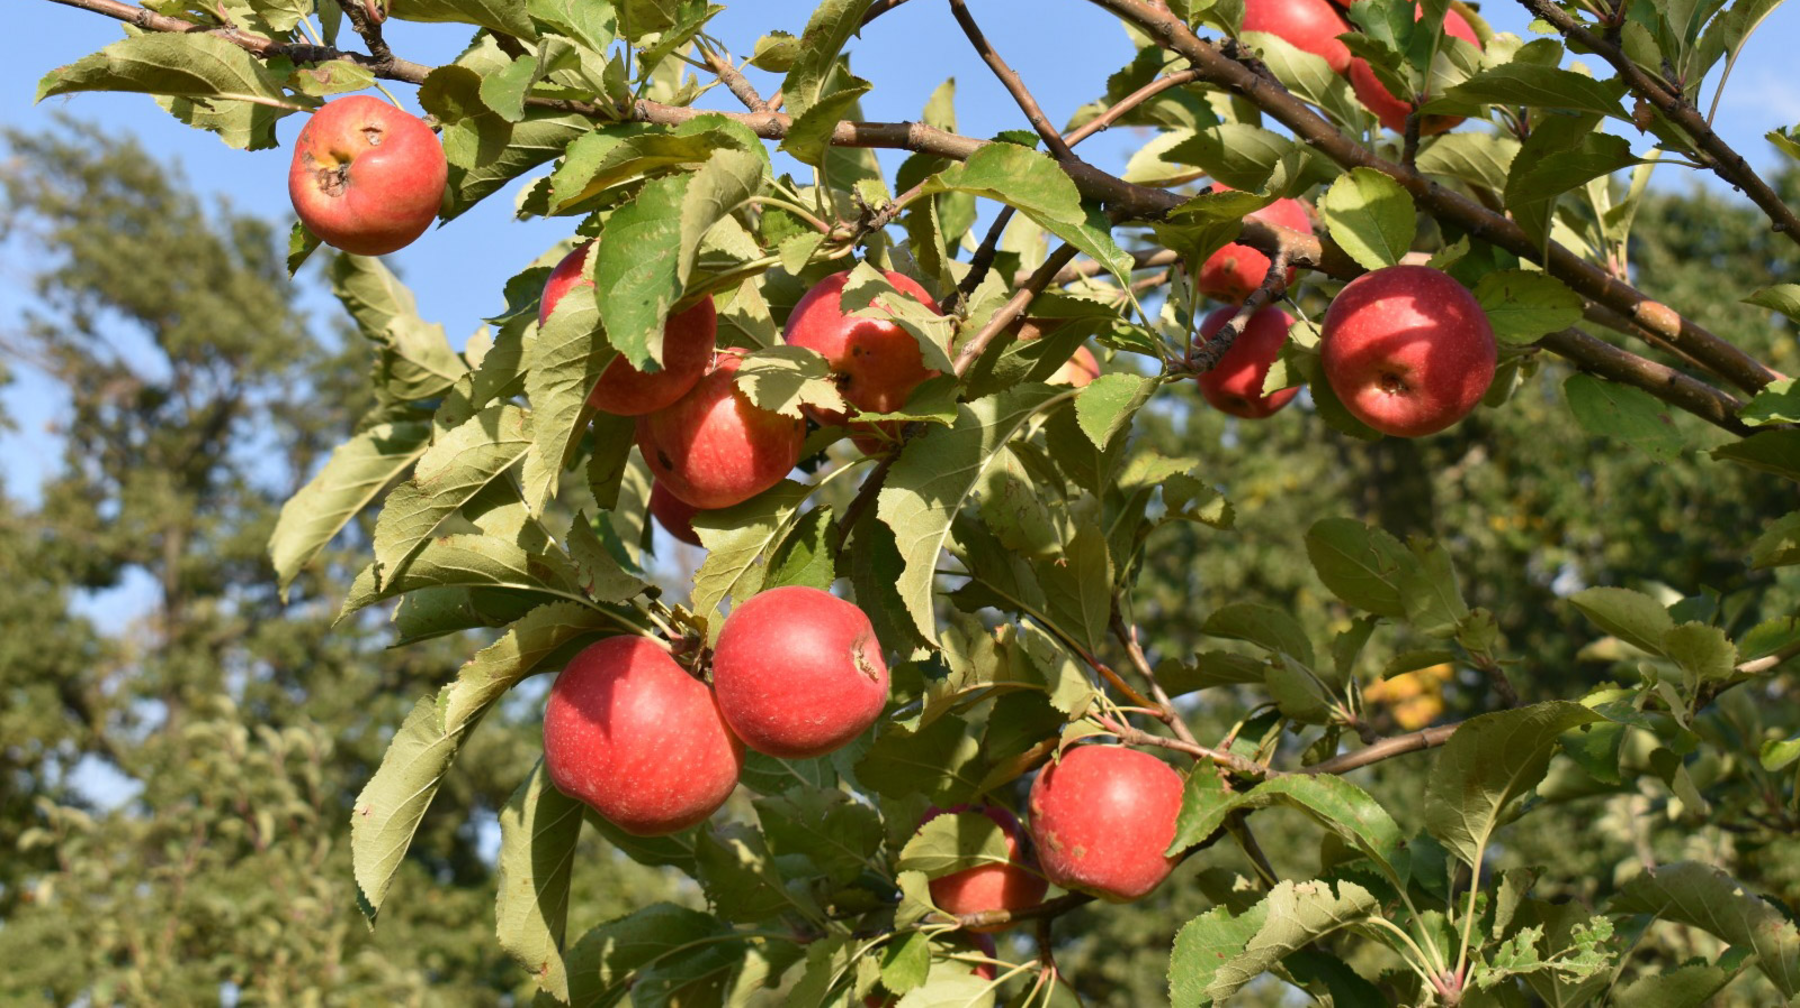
(1229, 760)
(735, 81)
(1387, 748)
(1014, 84)
(1219, 344)
(1710, 148)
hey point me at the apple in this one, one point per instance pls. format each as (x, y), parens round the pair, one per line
(1078, 371)
(632, 735)
(1231, 273)
(1235, 383)
(1407, 349)
(878, 364)
(367, 177)
(1393, 111)
(675, 515)
(1309, 25)
(688, 340)
(798, 672)
(1011, 886)
(1102, 816)
(712, 448)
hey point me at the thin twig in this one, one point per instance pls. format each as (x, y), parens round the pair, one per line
(1167, 714)
(1129, 102)
(734, 80)
(1014, 84)
(1387, 748)
(1219, 343)
(1229, 760)
(1014, 307)
(369, 29)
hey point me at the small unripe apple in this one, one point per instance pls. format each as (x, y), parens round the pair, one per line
(675, 515)
(1231, 273)
(634, 736)
(1235, 383)
(1393, 111)
(367, 177)
(798, 672)
(712, 447)
(1309, 25)
(1011, 886)
(1407, 349)
(877, 362)
(1102, 816)
(688, 340)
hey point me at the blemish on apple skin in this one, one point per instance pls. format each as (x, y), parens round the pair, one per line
(372, 134)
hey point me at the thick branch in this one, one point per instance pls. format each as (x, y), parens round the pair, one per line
(1709, 147)
(1688, 394)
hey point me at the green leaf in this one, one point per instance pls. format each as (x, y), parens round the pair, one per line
(736, 539)
(1523, 305)
(1370, 217)
(816, 53)
(905, 961)
(508, 17)
(1626, 413)
(1217, 953)
(612, 960)
(953, 842)
(1590, 157)
(1428, 589)
(1265, 626)
(642, 261)
(1490, 761)
(807, 556)
(775, 52)
(215, 85)
(1778, 402)
(1078, 585)
(1017, 176)
(1334, 803)
(593, 26)
(1778, 755)
(392, 804)
(597, 569)
(1105, 407)
(1702, 651)
(612, 157)
(942, 761)
(1205, 803)
(1776, 452)
(302, 243)
(1690, 985)
(828, 827)
(413, 359)
(1706, 898)
(1536, 86)
(809, 138)
(935, 475)
(467, 561)
(1784, 298)
(1633, 617)
(538, 830)
(352, 477)
(1480, 159)
(446, 477)
(540, 138)
(1360, 564)
(564, 363)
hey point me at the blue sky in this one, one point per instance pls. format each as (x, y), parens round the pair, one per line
(1063, 50)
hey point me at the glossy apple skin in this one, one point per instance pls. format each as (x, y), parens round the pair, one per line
(367, 177)
(1078, 371)
(675, 515)
(1391, 110)
(1011, 886)
(1231, 273)
(798, 672)
(1235, 384)
(878, 363)
(1407, 349)
(712, 448)
(1101, 818)
(634, 736)
(688, 341)
(1309, 25)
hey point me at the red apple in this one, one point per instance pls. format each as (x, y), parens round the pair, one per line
(1309, 25)
(688, 340)
(878, 363)
(367, 177)
(675, 515)
(712, 448)
(1078, 371)
(1011, 886)
(1393, 111)
(1102, 817)
(1235, 383)
(1407, 349)
(1231, 273)
(634, 736)
(799, 672)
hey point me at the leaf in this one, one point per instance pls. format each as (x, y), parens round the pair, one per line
(942, 761)
(1105, 407)
(446, 477)
(808, 139)
(538, 830)
(564, 363)
(784, 378)
(1523, 305)
(1522, 83)
(1776, 452)
(816, 54)
(1428, 589)
(508, 17)
(1205, 804)
(1784, 298)
(1265, 626)
(1480, 159)
(1590, 157)
(1625, 413)
(736, 538)
(1217, 953)
(1778, 402)
(935, 475)
(1078, 586)
(953, 842)
(393, 802)
(808, 555)
(1017, 176)
(1370, 217)
(836, 832)
(1360, 564)
(351, 478)
(216, 85)
(905, 961)
(1491, 760)
(612, 157)
(1702, 651)
(1690, 985)
(1332, 802)
(540, 138)
(413, 357)
(1704, 897)
(607, 960)
(1633, 617)
(467, 561)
